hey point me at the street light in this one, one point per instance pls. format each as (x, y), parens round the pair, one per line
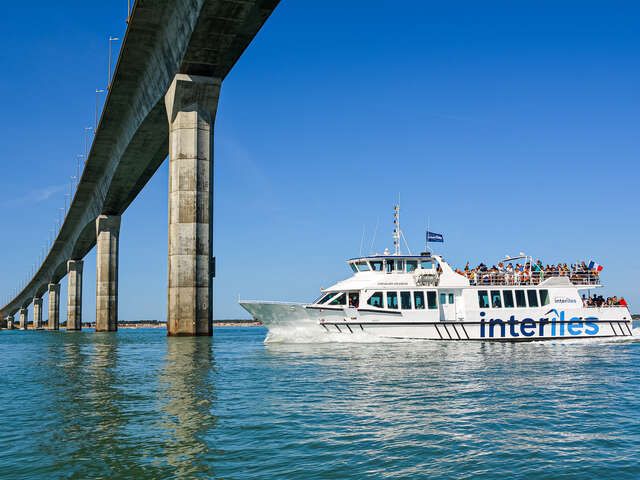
(97, 92)
(86, 139)
(111, 39)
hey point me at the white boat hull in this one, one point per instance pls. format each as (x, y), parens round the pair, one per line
(346, 321)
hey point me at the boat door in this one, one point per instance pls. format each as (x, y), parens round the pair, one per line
(459, 307)
(447, 306)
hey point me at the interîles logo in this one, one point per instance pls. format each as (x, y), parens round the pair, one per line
(545, 327)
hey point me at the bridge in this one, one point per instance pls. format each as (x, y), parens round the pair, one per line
(162, 101)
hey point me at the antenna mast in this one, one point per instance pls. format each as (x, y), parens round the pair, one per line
(396, 229)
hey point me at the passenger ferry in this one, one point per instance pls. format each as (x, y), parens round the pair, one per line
(423, 297)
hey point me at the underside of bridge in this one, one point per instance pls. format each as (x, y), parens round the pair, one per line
(162, 101)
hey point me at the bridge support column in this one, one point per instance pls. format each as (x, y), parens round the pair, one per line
(108, 234)
(24, 318)
(54, 306)
(74, 295)
(10, 322)
(37, 313)
(191, 104)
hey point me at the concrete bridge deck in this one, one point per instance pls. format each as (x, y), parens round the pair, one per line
(201, 39)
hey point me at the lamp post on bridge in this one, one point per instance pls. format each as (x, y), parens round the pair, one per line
(111, 39)
(95, 130)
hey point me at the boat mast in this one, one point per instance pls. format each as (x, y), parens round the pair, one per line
(396, 229)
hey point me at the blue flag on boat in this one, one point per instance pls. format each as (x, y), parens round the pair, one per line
(434, 237)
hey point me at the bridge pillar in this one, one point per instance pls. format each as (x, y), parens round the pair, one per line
(74, 295)
(10, 322)
(37, 313)
(24, 318)
(108, 234)
(191, 103)
(54, 306)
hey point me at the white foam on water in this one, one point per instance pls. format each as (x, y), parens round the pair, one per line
(304, 334)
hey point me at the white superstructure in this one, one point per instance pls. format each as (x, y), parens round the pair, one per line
(422, 297)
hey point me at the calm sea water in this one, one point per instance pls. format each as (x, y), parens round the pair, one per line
(139, 405)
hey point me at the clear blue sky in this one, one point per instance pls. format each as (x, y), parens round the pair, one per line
(513, 128)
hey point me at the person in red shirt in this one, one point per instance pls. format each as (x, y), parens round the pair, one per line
(622, 302)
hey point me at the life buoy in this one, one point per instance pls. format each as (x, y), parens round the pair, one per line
(524, 276)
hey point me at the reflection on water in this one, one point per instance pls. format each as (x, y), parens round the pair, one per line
(139, 405)
(186, 403)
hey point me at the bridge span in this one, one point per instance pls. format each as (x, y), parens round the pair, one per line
(162, 101)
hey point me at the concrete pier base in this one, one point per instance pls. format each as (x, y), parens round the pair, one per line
(74, 295)
(24, 318)
(10, 320)
(54, 306)
(107, 233)
(191, 104)
(37, 313)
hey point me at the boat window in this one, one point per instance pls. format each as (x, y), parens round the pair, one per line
(533, 298)
(426, 264)
(392, 300)
(521, 301)
(354, 299)
(400, 265)
(375, 300)
(389, 265)
(418, 299)
(363, 266)
(508, 298)
(326, 297)
(353, 267)
(376, 265)
(411, 265)
(431, 300)
(544, 297)
(339, 300)
(483, 299)
(451, 301)
(405, 300)
(496, 300)
(443, 299)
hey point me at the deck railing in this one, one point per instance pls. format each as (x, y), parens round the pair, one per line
(532, 278)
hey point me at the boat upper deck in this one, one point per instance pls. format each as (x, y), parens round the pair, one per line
(428, 270)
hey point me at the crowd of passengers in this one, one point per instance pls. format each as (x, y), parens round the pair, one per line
(526, 273)
(600, 301)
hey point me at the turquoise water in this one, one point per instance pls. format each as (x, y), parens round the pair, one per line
(139, 405)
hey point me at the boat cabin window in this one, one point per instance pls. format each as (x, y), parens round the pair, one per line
(400, 265)
(431, 300)
(389, 265)
(363, 266)
(339, 300)
(375, 300)
(418, 300)
(326, 297)
(451, 300)
(411, 265)
(508, 298)
(353, 267)
(392, 300)
(376, 265)
(496, 300)
(544, 297)
(483, 299)
(521, 302)
(405, 300)
(426, 264)
(354, 299)
(443, 299)
(533, 298)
